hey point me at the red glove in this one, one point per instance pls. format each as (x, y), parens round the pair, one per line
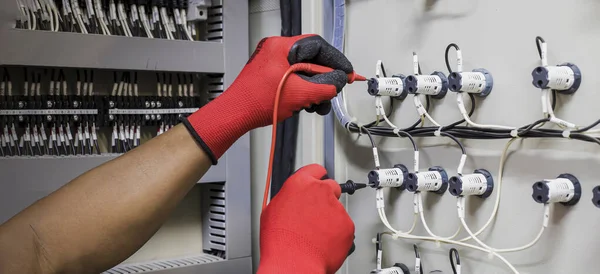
(248, 103)
(305, 229)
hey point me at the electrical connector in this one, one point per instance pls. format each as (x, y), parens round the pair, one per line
(396, 269)
(478, 81)
(564, 78)
(435, 85)
(388, 86)
(350, 187)
(565, 189)
(596, 196)
(479, 183)
(434, 180)
(389, 177)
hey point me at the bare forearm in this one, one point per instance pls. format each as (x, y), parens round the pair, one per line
(105, 215)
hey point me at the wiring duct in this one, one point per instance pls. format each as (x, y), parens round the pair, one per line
(287, 131)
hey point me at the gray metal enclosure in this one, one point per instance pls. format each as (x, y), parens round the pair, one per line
(226, 186)
(498, 36)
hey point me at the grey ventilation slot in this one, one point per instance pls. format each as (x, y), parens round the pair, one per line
(213, 216)
(163, 264)
(215, 85)
(214, 24)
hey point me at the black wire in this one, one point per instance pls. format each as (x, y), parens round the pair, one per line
(452, 45)
(418, 256)
(531, 126)
(454, 259)
(412, 140)
(538, 43)
(370, 136)
(383, 70)
(458, 142)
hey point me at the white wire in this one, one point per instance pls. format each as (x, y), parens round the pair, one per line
(422, 111)
(498, 187)
(440, 240)
(495, 250)
(419, 197)
(465, 114)
(381, 111)
(144, 19)
(185, 26)
(165, 21)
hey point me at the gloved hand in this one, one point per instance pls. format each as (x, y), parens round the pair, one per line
(305, 229)
(248, 103)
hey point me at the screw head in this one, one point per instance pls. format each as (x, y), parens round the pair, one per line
(21, 118)
(153, 117)
(147, 117)
(111, 104)
(147, 104)
(49, 118)
(111, 117)
(49, 104)
(153, 104)
(158, 104)
(76, 117)
(180, 104)
(75, 104)
(158, 117)
(21, 104)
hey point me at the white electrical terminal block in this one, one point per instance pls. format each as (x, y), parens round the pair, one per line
(478, 81)
(565, 189)
(198, 10)
(396, 269)
(388, 86)
(434, 180)
(564, 78)
(388, 177)
(479, 183)
(435, 85)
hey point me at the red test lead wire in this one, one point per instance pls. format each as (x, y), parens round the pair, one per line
(303, 67)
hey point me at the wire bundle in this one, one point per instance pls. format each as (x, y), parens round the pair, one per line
(131, 18)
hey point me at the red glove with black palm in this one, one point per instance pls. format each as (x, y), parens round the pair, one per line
(249, 102)
(305, 229)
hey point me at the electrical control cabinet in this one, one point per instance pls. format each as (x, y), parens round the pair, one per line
(500, 37)
(69, 79)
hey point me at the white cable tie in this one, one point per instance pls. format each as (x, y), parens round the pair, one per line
(395, 236)
(566, 133)
(438, 132)
(458, 269)
(546, 215)
(396, 131)
(514, 133)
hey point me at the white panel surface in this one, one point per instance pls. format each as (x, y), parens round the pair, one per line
(498, 36)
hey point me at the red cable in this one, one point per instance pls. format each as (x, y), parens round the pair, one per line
(308, 68)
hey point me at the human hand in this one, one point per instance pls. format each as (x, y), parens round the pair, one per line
(305, 228)
(249, 102)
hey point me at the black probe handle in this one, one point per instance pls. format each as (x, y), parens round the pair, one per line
(353, 247)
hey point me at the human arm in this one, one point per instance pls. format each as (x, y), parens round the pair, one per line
(102, 217)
